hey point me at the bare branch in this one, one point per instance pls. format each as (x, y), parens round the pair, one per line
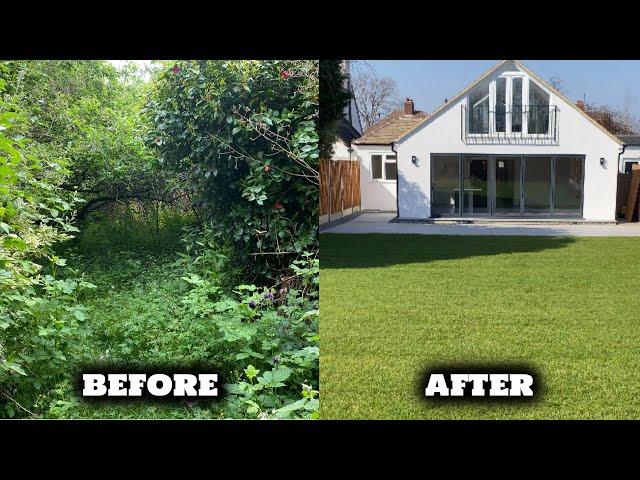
(376, 96)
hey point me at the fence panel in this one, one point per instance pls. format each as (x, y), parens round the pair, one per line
(339, 188)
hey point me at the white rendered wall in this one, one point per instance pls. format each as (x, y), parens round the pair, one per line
(375, 194)
(441, 134)
(341, 151)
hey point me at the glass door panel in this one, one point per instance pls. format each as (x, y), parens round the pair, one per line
(475, 193)
(537, 185)
(507, 185)
(567, 198)
(445, 185)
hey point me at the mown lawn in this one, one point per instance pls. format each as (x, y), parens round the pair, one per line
(395, 305)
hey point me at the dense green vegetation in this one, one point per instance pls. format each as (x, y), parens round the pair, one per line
(395, 305)
(161, 222)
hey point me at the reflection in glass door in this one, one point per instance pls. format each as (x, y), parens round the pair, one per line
(445, 185)
(537, 185)
(567, 196)
(472, 185)
(507, 185)
(475, 193)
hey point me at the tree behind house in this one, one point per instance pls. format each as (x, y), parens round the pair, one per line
(376, 96)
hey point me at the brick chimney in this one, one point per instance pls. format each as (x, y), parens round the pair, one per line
(408, 107)
(580, 105)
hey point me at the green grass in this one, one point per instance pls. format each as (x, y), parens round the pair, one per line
(131, 314)
(395, 305)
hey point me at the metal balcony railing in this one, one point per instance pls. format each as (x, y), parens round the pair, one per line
(527, 124)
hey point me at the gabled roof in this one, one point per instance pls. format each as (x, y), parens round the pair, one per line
(391, 128)
(347, 132)
(486, 74)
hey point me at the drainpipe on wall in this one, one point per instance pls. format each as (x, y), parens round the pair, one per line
(393, 149)
(615, 209)
(624, 146)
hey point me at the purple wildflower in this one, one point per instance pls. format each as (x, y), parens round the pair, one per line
(252, 304)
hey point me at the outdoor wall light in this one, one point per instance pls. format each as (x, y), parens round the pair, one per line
(603, 162)
(414, 160)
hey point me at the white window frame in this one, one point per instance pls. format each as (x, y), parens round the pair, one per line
(509, 76)
(385, 160)
(628, 160)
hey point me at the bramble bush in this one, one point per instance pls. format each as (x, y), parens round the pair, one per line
(264, 341)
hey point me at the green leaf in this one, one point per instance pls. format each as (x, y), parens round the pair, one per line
(12, 241)
(251, 372)
(14, 367)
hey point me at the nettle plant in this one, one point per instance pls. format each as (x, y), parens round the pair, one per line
(40, 316)
(244, 134)
(264, 341)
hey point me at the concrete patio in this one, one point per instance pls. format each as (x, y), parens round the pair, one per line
(384, 223)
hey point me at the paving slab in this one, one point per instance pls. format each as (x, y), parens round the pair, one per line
(384, 223)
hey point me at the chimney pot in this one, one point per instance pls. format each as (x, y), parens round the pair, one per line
(408, 107)
(580, 105)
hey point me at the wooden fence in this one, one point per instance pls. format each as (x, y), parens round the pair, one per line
(624, 182)
(628, 195)
(339, 188)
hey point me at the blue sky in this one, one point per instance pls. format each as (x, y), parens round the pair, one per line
(603, 82)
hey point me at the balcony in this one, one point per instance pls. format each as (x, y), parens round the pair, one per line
(522, 125)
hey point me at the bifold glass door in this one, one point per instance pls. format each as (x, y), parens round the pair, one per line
(475, 185)
(569, 172)
(537, 185)
(506, 185)
(445, 185)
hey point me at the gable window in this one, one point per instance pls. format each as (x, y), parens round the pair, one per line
(511, 104)
(479, 109)
(384, 167)
(501, 105)
(538, 110)
(516, 105)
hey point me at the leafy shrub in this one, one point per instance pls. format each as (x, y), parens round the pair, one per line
(243, 136)
(264, 341)
(40, 317)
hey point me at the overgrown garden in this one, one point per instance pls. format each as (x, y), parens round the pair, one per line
(161, 220)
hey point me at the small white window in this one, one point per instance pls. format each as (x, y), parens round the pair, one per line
(384, 167)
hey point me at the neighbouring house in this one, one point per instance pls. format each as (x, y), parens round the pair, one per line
(508, 145)
(339, 184)
(350, 127)
(631, 153)
(378, 160)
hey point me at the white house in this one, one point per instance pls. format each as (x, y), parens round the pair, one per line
(508, 145)
(631, 153)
